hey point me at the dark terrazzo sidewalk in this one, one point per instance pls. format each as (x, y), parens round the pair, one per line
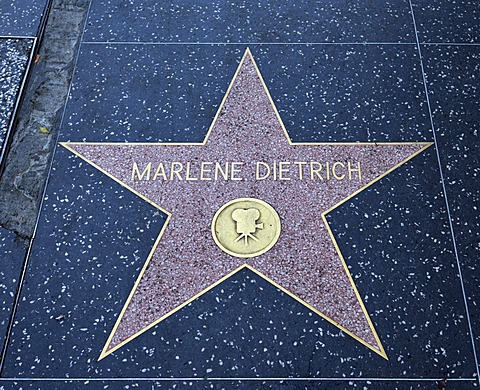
(13, 254)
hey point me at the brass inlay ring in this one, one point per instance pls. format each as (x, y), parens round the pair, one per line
(246, 227)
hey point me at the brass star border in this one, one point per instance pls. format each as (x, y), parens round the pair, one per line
(92, 154)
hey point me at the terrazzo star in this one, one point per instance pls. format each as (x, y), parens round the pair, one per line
(294, 249)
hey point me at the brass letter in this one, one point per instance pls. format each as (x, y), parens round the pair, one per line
(176, 171)
(187, 174)
(334, 171)
(300, 168)
(203, 170)
(160, 172)
(146, 171)
(234, 170)
(218, 167)
(316, 171)
(282, 170)
(257, 176)
(350, 170)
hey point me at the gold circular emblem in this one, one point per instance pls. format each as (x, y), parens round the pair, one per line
(246, 227)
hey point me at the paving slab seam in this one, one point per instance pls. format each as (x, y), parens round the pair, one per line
(39, 213)
(202, 379)
(449, 44)
(247, 43)
(17, 36)
(279, 43)
(444, 191)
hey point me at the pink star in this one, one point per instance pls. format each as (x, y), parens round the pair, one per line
(191, 182)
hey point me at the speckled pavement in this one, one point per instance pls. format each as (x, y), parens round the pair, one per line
(333, 73)
(20, 22)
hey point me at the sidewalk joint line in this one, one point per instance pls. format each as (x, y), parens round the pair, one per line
(444, 189)
(204, 379)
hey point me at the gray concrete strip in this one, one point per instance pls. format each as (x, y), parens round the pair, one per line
(28, 160)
